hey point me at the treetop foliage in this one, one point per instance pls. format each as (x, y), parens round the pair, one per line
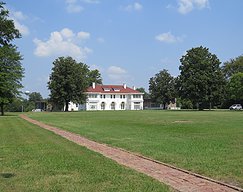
(233, 66)
(8, 32)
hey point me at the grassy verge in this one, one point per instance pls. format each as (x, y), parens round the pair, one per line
(33, 159)
(207, 142)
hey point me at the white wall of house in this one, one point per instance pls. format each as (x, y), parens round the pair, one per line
(96, 101)
(73, 106)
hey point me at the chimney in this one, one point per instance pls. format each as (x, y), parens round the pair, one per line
(134, 88)
(124, 85)
(93, 85)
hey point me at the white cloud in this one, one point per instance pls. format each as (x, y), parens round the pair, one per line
(18, 17)
(83, 35)
(117, 74)
(63, 43)
(134, 7)
(71, 1)
(137, 6)
(91, 1)
(168, 38)
(186, 6)
(101, 40)
(23, 29)
(67, 33)
(73, 7)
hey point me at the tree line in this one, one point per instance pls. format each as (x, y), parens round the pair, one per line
(202, 82)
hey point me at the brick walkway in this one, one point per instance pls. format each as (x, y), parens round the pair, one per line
(178, 179)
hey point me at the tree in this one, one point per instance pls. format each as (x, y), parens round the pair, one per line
(68, 81)
(201, 79)
(94, 77)
(11, 71)
(233, 66)
(162, 87)
(8, 32)
(17, 105)
(142, 90)
(235, 87)
(35, 96)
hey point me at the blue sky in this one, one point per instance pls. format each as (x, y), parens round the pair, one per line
(128, 41)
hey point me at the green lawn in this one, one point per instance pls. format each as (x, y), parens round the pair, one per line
(34, 159)
(207, 142)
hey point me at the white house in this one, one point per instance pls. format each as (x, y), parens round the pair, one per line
(111, 97)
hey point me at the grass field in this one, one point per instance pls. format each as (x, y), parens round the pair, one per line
(33, 159)
(207, 142)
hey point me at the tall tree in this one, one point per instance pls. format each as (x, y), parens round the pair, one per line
(162, 87)
(35, 96)
(11, 71)
(68, 81)
(235, 87)
(94, 77)
(201, 79)
(233, 66)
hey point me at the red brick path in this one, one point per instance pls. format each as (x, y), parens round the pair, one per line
(178, 179)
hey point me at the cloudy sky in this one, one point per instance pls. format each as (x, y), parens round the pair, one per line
(129, 41)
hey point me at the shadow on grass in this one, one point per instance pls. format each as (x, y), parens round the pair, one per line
(7, 175)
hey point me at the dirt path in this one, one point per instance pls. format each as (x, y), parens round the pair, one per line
(178, 179)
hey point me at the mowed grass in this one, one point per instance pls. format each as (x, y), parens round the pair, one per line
(207, 142)
(33, 159)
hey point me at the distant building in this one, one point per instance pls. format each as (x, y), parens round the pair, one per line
(148, 104)
(110, 97)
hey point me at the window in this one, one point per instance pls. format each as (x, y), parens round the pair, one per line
(92, 95)
(113, 106)
(136, 96)
(93, 107)
(113, 96)
(122, 105)
(137, 105)
(117, 90)
(122, 96)
(101, 96)
(106, 89)
(102, 106)
(104, 96)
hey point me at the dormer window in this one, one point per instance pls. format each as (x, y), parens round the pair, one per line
(106, 89)
(116, 89)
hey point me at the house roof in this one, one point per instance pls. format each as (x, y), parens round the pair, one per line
(111, 89)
